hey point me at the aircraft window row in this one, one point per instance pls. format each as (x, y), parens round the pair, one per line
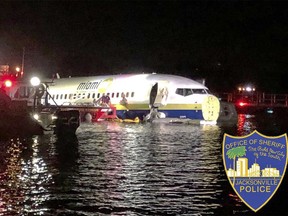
(187, 91)
(92, 95)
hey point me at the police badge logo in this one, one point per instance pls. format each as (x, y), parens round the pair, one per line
(255, 166)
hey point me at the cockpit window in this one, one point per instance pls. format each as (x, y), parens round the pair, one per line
(199, 91)
(180, 91)
(207, 91)
(186, 91)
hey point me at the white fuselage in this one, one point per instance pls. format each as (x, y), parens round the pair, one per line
(176, 96)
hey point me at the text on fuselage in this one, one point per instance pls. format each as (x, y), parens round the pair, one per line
(88, 85)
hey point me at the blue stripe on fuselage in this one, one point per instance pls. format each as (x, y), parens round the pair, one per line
(131, 114)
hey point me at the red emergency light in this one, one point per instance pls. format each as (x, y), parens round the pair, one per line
(7, 80)
(8, 83)
(241, 103)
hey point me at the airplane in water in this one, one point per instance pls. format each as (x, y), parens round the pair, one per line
(132, 95)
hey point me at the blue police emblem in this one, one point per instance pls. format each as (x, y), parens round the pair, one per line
(255, 166)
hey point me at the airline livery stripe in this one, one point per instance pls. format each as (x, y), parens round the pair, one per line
(167, 107)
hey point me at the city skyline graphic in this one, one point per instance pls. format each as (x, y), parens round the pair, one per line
(242, 170)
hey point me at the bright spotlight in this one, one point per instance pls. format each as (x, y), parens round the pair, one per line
(36, 116)
(35, 81)
(248, 89)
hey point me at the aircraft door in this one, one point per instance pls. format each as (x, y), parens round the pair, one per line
(159, 94)
(153, 94)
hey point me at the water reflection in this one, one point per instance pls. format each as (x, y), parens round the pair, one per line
(66, 152)
(144, 168)
(246, 124)
(24, 178)
(270, 124)
(65, 173)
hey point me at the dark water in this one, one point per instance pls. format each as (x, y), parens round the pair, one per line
(129, 169)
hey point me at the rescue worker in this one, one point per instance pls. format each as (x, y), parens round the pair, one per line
(106, 100)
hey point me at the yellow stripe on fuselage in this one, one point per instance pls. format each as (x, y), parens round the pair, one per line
(167, 107)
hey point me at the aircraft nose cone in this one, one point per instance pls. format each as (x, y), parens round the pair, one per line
(210, 108)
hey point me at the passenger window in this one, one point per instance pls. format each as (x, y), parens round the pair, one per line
(127, 94)
(93, 95)
(117, 95)
(88, 96)
(132, 94)
(112, 95)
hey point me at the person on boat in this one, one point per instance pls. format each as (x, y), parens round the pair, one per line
(102, 101)
(107, 99)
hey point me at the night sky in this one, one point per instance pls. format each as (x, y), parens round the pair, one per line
(225, 42)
